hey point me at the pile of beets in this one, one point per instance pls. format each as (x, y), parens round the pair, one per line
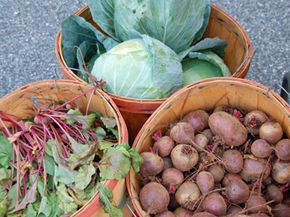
(224, 163)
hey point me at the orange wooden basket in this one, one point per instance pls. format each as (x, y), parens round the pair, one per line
(19, 104)
(238, 56)
(206, 95)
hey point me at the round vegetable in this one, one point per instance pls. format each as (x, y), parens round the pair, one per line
(254, 120)
(283, 149)
(254, 168)
(208, 134)
(197, 119)
(163, 146)
(233, 161)
(281, 172)
(237, 191)
(215, 204)
(152, 164)
(203, 214)
(187, 194)
(201, 141)
(256, 203)
(154, 198)
(184, 157)
(172, 178)
(228, 127)
(205, 181)
(234, 210)
(218, 172)
(271, 131)
(274, 193)
(281, 210)
(229, 177)
(261, 148)
(259, 215)
(182, 133)
(181, 212)
(166, 214)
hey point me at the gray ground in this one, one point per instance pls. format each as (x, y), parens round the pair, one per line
(28, 29)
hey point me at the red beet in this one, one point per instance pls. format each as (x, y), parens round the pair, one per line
(281, 210)
(184, 157)
(167, 163)
(281, 172)
(274, 193)
(237, 192)
(187, 194)
(283, 149)
(154, 198)
(271, 131)
(164, 146)
(208, 134)
(201, 141)
(203, 214)
(205, 182)
(172, 178)
(254, 120)
(229, 177)
(218, 173)
(182, 133)
(197, 119)
(256, 203)
(261, 148)
(166, 214)
(152, 165)
(181, 212)
(254, 168)
(215, 204)
(233, 161)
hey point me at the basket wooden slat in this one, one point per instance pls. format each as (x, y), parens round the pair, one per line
(206, 95)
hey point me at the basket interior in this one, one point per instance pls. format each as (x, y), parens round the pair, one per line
(206, 95)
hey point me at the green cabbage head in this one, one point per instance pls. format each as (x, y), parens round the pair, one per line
(140, 68)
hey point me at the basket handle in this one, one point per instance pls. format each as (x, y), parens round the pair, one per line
(285, 88)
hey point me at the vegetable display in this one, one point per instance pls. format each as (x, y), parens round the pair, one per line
(54, 163)
(220, 163)
(149, 49)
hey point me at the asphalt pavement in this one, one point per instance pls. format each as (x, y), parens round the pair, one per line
(28, 29)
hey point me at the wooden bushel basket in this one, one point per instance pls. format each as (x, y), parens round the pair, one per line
(238, 56)
(20, 105)
(206, 95)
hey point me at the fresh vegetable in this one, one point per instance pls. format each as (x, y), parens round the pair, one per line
(271, 131)
(53, 163)
(152, 164)
(154, 198)
(229, 128)
(143, 68)
(154, 41)
(227, 170)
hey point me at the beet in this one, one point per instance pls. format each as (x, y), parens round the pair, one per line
(184, 157)
(208, 134)
(254, 168)
(167, 163)
(229, 177)
(237, 192)
(187, 195)
(256, 203)
(203, 214)
(154, 198)
(271, 131)
(218, 173)
(172, 178)
(205, 181)
(274, 193)
(164, 146)
(181, 212)
(215, 204)
(197, 119)
(254, 120)
(259, 215)
(201, 141)
(182, 133)
(281, 210)
(233, 161)
(234, 210)
(283, 149)
(261, 148)
(281, 172)
(166, 214)
(229, 128)
(152, 165)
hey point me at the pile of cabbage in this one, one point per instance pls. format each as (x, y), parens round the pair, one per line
(147, 49)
